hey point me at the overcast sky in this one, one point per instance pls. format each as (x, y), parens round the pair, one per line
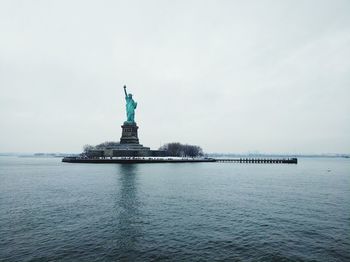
(230, 76)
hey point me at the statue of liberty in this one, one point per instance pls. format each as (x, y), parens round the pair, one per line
(130, 107)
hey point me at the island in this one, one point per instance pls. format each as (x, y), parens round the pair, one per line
(129, 149)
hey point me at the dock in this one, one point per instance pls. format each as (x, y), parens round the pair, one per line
(150, 160)
(259, 160)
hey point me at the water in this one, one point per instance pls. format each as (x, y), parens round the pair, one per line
(53, 211)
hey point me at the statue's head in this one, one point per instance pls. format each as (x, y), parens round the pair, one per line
(130, 95)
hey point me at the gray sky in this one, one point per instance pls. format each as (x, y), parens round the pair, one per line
(231, 76)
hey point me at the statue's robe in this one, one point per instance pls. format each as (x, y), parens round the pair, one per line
(130, 109)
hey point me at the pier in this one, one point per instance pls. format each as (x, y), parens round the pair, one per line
(259, 160)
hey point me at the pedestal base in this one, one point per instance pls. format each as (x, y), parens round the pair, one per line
(129, 133)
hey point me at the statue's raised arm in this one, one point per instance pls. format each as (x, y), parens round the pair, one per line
(126, 94)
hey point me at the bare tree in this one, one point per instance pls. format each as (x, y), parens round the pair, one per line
(180, 150)
(106, 145)
(88, 148)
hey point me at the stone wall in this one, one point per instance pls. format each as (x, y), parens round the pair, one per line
(126, 153)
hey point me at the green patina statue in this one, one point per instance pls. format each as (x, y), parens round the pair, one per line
(130, 107)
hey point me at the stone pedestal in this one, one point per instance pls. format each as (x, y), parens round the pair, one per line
(129, 133)
(129, 146)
